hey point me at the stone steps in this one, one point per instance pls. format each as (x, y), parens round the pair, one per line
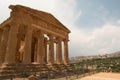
(25, 70)
(21, 69)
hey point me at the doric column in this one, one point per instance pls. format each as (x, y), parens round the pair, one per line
(66, 52)
(59, 51)
(40, 48)
(12, 44)
(18, 53)
(35, 51)
(27, 48)
(4, 43)
(51, 50)
(1, 31)
(45, 46)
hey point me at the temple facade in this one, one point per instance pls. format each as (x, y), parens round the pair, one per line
(30, 36)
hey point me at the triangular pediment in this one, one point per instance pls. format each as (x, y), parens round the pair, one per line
(44, 16)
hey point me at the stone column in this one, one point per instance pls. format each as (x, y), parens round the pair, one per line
(27, 48)
(40, 48)
(59, 51)
(12, 44)
(4, 43)
(1, 31)
(35, 51)
(51, 50)
(45, 46)
(18, 59)
(66, 52)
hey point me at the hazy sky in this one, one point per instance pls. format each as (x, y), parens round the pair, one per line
(94, 24)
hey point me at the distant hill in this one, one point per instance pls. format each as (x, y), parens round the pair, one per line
(115, 54)
(81, 58)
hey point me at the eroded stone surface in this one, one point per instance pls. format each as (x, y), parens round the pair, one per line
(29, 36)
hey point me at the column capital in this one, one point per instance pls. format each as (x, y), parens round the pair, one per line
(65, 40)
(59, 39)
(50, 35)
(40, 32)
(45, 39)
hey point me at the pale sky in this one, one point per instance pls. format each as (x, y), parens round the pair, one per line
(94, 24)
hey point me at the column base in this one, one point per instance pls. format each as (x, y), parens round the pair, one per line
(35, 63)
(59, 63)
(7, 64)
(66, 63)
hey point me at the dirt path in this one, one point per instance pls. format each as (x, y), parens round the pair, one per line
(102, 76)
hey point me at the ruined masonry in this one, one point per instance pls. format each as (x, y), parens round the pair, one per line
(32, 41)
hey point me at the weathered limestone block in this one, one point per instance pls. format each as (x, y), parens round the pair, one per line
(21, 26)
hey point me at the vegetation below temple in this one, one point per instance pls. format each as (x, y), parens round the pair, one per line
(111, 64)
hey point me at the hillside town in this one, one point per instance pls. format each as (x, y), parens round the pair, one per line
(83, 58)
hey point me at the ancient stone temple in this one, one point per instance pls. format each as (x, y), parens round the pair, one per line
(32, 37)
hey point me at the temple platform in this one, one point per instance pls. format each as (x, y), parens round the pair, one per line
(25, 70)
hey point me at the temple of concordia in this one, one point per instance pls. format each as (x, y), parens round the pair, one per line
(32, 41)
